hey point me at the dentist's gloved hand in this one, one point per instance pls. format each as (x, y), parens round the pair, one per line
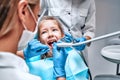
(35, 48)
(67, 38)
(59, 59)
(82, 46)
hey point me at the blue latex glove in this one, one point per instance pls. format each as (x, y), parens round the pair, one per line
(67, 38)
(35, 48)
(59, 59)
(82, 46)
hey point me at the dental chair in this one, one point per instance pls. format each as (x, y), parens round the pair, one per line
(112, 54)
(107, 77)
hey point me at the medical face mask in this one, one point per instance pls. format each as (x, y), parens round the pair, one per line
(27, 35)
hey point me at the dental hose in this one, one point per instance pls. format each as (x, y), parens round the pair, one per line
(88, 41)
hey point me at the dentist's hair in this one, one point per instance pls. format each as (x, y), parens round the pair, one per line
(8, 8)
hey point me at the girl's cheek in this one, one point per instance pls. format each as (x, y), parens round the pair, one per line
(59, 36)
(43, 38)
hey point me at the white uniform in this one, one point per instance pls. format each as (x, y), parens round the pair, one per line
(13, 67)
(79, 15)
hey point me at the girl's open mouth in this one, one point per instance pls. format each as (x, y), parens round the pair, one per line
(50, 42)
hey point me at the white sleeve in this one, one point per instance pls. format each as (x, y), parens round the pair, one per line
(90, 24)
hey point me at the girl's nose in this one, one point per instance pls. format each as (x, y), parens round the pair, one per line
(50, 34)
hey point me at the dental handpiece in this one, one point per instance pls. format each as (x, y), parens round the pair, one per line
(42, 14)
(88, 41)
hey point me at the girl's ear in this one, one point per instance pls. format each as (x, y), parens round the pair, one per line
(22, 9)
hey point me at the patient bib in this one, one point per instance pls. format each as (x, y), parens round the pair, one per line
(75, 67)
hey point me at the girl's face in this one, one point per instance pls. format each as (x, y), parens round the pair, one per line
(50, 32)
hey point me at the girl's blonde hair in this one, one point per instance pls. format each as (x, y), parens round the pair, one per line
(50, 18)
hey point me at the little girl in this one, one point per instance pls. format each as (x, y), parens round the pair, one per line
(50, 31)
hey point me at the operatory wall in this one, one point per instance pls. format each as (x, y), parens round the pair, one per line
(107, 21)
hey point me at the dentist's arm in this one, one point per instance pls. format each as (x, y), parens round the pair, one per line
(34, 48)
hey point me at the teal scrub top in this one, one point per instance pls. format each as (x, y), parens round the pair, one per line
(75, 67)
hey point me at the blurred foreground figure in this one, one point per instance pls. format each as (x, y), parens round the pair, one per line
(17, 20)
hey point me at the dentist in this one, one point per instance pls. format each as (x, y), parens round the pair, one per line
(18, 25)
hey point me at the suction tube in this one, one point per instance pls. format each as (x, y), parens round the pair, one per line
(91, 40)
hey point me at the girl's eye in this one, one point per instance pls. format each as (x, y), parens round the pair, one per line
(43, 32)
(55, 30)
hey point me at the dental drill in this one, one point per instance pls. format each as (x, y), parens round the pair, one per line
(45, 8)
(88, 41)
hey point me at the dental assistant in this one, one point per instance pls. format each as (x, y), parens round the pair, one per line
(77, 16)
